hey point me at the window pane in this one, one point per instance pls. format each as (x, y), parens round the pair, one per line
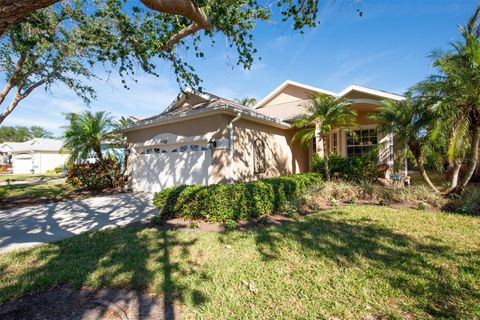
(361, 142)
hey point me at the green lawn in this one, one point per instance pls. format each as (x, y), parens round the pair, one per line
(16, 177)
(350, 263)
(41, 189)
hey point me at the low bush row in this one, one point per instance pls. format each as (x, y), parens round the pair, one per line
(224, 202)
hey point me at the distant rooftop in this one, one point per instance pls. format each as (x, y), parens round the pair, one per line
(35, 144)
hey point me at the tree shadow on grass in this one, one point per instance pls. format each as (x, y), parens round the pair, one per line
(132, 258)
(439, 278)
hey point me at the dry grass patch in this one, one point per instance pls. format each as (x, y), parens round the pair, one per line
(335, 192)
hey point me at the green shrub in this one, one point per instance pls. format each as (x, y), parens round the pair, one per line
(222, 202)
(193, 225)
(356, 169)
(422, 206)
(3, 193)
(230, 225)
(96, 176)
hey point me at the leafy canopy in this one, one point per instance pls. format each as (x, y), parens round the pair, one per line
(64, 43)
(22, 134)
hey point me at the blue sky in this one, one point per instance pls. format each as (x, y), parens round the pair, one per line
(387, 48)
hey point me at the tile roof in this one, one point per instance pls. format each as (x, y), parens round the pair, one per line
(214, 101)
(201, 102)
(35, 144)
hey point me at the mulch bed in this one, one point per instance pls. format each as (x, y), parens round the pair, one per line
(200, 226)
(66, 303)
(21, 201)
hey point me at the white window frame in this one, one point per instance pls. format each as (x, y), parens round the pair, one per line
(358, 128)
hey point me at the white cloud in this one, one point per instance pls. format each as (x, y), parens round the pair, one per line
(363, 69)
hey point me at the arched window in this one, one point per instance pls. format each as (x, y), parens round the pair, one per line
(259, 156)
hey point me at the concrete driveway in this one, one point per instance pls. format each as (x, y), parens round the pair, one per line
(27, 226)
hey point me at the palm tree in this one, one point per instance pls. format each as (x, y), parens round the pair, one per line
(454, 93)
(118, 137)
(325, 112)
(85, 134)
(409, 121)
(247, 102)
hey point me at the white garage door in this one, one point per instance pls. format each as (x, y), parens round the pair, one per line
(155, 169)
(22, 164)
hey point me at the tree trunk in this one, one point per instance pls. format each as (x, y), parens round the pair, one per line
(457, 165)
(423, 172)
(473, 160)
(415, 148)
(325, 159)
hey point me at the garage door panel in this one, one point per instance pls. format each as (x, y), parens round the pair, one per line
(157, 171)
(22, 165)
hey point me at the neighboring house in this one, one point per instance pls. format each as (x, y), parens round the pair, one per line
(34, 156)
(204, 139)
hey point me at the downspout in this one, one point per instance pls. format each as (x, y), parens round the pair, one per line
(230, 147)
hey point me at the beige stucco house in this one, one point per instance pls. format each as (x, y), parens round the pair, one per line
(205, 139)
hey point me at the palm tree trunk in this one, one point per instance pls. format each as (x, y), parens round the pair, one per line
(325, 159)
(457, 165)
(423, 172)
(472, 164)
(415, 148)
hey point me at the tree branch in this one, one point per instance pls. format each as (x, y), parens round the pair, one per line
(33, 87)
(18, 97)
(186, 8)
(12, 11)
(185, 32)
(14, 78)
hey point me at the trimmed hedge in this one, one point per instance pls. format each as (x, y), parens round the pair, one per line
(223, 202)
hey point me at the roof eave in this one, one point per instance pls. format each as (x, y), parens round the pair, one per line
(379, 93)
(191, 115)
(292, 83)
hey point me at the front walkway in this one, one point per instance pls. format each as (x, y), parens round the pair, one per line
(27, 226)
